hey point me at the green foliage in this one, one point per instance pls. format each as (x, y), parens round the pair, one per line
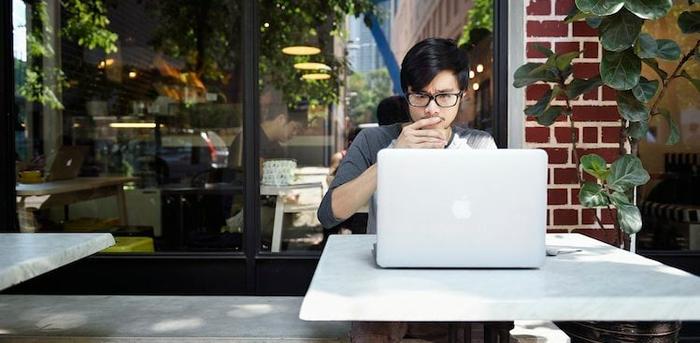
(87, 25)
(479, 16)
(367, 90)
(625, 47)
(620, 70)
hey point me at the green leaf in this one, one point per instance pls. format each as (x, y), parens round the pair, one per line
(645, 89)
(619, 198)
(563, 61)
(541, 105)
(581, 86)
(654, 64)
(629, 218)
(646, 46)
(649, 9)
(674, 135)
(550, 115)
(627, 172)
(593, 195)
(529, 74)
(595, 165)
(544, 50)
(695, 82)
(620, 70)
(575, 15)
(600, 7)
(689, 21)
(668, 49)
(619, 32)
(594, 22)
(637, 129)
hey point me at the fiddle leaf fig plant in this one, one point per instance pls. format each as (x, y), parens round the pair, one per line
(626, 48)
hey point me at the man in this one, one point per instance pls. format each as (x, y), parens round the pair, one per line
(434, 77)
(278, 125)
(392, 110)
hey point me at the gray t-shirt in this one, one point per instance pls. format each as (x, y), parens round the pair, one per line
(363, 153)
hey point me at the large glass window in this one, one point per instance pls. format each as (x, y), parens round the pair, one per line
(126, 114)
(339, 73)
(670, 202)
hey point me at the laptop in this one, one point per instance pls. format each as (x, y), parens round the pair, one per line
(65, 164)
(461, 208)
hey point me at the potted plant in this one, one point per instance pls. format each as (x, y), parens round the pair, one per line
(626, 47)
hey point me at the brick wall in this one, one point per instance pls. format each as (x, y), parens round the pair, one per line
(595, 116)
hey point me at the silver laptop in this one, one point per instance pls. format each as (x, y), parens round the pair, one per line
(461, 208)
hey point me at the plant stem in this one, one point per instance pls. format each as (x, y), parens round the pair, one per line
(574, 139)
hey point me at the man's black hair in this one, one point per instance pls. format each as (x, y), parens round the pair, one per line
(428, 58)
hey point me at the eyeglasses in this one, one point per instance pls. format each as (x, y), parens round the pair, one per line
(441, 99)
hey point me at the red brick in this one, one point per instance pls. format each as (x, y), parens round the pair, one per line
(557, 230)
(609, 236)
(608, 216)
(563, 134)
(574, 196)
(549, 28)
(609, 94)
(565, 217)
(596, 113)
(586, 70)
(590, 49)
(535, 92)
(611, 134)
(563, 176)
(562, 7)
(537, 134)
(557, 155)
(564, 47)
(557, 197)
(589, 177)
(590, 135)
(534, 53)
(581, 29)
(592, 95)
(588, 216)
(609, 154)
(539, 7)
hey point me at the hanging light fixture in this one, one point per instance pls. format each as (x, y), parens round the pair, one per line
(316, 76)
(311, 66)
(301, 50)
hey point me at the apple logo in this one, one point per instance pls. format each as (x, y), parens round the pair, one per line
(462, 208)
(69, 162)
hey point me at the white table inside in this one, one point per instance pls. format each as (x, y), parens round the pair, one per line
(600, 283)
(26, 255)
(281, 208)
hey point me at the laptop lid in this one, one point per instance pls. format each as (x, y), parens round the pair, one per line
(65, 163)
(461, 208)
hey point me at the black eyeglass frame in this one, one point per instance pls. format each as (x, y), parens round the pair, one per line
(434, 98)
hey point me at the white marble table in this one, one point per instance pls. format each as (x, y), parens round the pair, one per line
(26, 255)
(600, 283)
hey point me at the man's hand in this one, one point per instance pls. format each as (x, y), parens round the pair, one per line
(414, 136)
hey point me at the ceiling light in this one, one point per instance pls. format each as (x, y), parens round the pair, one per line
(479, 68)
(301, 50)
(133, 125)
(132, 74)
(471, 74)
(475, 86)
(316, 76)
(312, 66)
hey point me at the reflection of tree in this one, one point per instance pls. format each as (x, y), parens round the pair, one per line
(366, 91)
(480, 16)
(85, 23)
(293, 22)
(204, 34)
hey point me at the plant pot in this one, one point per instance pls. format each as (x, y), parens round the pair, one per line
(622, 332)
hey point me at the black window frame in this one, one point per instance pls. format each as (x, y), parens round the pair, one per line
(257, 272)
